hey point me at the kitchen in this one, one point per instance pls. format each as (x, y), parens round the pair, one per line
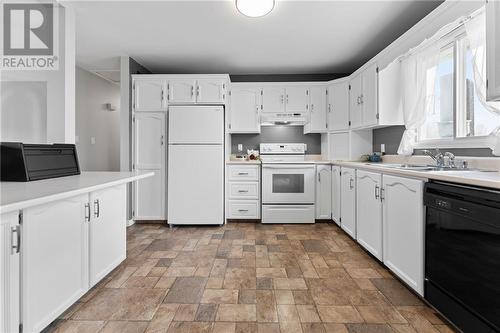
(366, 200)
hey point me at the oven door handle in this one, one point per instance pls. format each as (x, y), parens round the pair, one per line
(288, 166)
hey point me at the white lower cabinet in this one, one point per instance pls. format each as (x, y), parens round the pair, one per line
(369, 212)
(336, 196)
(403, 229)
(323, 201)
(9, 272)
(107, 231)
(348, 201)
(243, 191)
(67, 247)
(54, 260)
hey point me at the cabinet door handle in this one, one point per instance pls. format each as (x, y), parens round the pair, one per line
(96, 208)
(15, 248)
(319, 177)
(242, 191)
(161, 140)
(242, 210)
(377, 192)
(351, 186)
(192, 91)
(286, 98)
(242, 173)
(282, 99)
(312, 107)
(382, 194)
(87, 212)
(198, 89)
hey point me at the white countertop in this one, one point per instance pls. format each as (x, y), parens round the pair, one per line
(19, 195)
(468, 177)
(244, 162)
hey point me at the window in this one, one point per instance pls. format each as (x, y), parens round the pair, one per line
(455, 111)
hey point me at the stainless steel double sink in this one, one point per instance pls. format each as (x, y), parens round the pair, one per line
(416, 167)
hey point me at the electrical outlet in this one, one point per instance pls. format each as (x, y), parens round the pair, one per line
(240, 147)
(92, 140)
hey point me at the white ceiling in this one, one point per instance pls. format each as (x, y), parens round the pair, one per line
(297, 37)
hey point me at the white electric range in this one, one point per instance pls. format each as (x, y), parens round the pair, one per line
(288, 183)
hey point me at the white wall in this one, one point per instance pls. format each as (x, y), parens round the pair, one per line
(94, 121)
(39, 105)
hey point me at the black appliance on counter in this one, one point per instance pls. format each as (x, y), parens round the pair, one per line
(21, 162)
(462, 255)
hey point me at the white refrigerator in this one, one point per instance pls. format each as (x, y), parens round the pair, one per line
(195, 165)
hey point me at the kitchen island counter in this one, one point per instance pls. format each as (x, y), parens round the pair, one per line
(19, 195)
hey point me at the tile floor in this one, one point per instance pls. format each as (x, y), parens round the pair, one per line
(247, 277)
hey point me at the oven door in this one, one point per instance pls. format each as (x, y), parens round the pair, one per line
(288, 183)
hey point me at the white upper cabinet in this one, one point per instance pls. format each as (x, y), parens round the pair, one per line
(285, 99)
(336, 194)
(323, 192)
(348, 201)
(182, 91)
(149, 95)
(369, 96)
(297, 99)
(9, 272)
(364, 98)
(317, 111)
(369, 212)
(245, 109)
(338, 106)
(355, 109)
(273, 99)
(210, 91)
(403, 229)
(156, 92)
(493, 50)
(107, 246)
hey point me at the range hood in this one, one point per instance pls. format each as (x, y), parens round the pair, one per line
(290, 119)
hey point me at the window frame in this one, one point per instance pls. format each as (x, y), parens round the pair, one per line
(455, 38)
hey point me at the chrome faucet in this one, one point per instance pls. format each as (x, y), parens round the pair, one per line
(438, 157)
(451, 159)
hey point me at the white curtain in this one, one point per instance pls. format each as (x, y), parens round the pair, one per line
(418, 75)
(476, 34)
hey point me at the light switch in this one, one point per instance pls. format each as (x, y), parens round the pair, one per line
(92, 140)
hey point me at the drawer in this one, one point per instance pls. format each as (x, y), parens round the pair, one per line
(244, 172)
(288, 214)
(244, 209)
(243, 190)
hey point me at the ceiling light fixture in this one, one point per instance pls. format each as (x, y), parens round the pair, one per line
(255, 8)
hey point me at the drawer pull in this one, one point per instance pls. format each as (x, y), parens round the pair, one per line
(242, 210)
(242, 173)
(242, 191)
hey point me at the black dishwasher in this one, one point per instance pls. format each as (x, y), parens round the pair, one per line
(462, 255)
